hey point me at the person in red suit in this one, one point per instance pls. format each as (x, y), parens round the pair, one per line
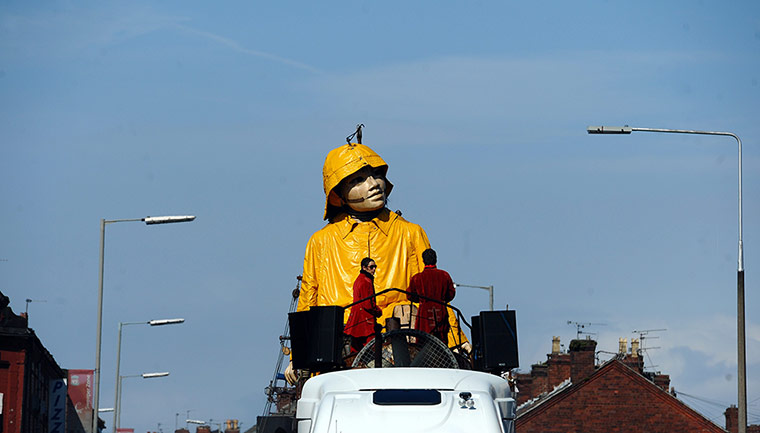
(433, 283)
(361, 321)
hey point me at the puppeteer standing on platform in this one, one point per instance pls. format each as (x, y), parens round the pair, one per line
(435, 285)
(361, 321)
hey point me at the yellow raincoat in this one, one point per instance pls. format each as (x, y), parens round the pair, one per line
(334, 253)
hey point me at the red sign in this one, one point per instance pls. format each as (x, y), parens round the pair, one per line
(125, 430)
(80, 390)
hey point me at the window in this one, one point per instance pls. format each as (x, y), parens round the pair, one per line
(394, 397)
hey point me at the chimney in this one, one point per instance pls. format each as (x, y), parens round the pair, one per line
(231, 426)
(558, 365)
(555, 345)
(582, 355)
(634, 347)
(623, 345)
(732, 419)
(662, 381)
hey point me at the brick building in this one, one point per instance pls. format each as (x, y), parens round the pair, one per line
(33, 391)
(569, 393)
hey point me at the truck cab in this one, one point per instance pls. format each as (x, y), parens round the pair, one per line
(406, 399)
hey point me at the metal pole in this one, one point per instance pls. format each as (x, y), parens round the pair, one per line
(740, 335)
(741, 353)
(96, 375)
(490, 297)
(740, 326)
(117, 386)
(117, 412)
(99, 326)
(117, 406)
(740, 312)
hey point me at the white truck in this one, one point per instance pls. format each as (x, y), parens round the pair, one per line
(410, 381)
(405, 399)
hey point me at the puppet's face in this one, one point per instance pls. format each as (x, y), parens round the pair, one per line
(364, 190)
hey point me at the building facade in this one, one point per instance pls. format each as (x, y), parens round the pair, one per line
(570, 393)
(33, 389)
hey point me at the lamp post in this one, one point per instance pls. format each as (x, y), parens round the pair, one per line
(118, 396)
(187, 418)
(741, 340)
(158, 322)
(219, 424)
(489, 288)
(99, 327)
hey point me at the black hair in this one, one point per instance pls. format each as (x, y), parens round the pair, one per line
(366, 261)
(429, 257)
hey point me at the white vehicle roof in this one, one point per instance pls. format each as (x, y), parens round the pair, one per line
(404, 378)
(343, 401)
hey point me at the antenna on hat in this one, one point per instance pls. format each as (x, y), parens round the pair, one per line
(357, 134)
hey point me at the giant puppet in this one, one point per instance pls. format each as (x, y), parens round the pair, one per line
(356, 191)
(360, 225)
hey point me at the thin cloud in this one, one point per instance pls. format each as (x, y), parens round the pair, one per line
(239, 48)
(74, 32)
(79, 30)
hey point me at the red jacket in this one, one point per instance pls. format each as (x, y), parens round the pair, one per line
(361, 323)
(431, 316)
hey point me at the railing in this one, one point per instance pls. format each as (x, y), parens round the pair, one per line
(460, 316)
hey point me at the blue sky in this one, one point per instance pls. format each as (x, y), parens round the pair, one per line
(226, 111)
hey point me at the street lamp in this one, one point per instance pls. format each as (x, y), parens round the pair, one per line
(741, 340)
(198, 422)
(118, 396)
(99, 327)
(206, 423)
(158, 322)
(489, 288)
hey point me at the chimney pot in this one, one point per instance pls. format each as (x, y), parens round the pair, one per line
(555, 345)
(634, 347)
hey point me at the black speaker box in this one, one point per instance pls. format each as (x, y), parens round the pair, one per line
(477, 360)
(316, 338)
(494, 339)
(275, 424)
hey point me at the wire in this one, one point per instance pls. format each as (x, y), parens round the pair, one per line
(704, 406)
(712, 402)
